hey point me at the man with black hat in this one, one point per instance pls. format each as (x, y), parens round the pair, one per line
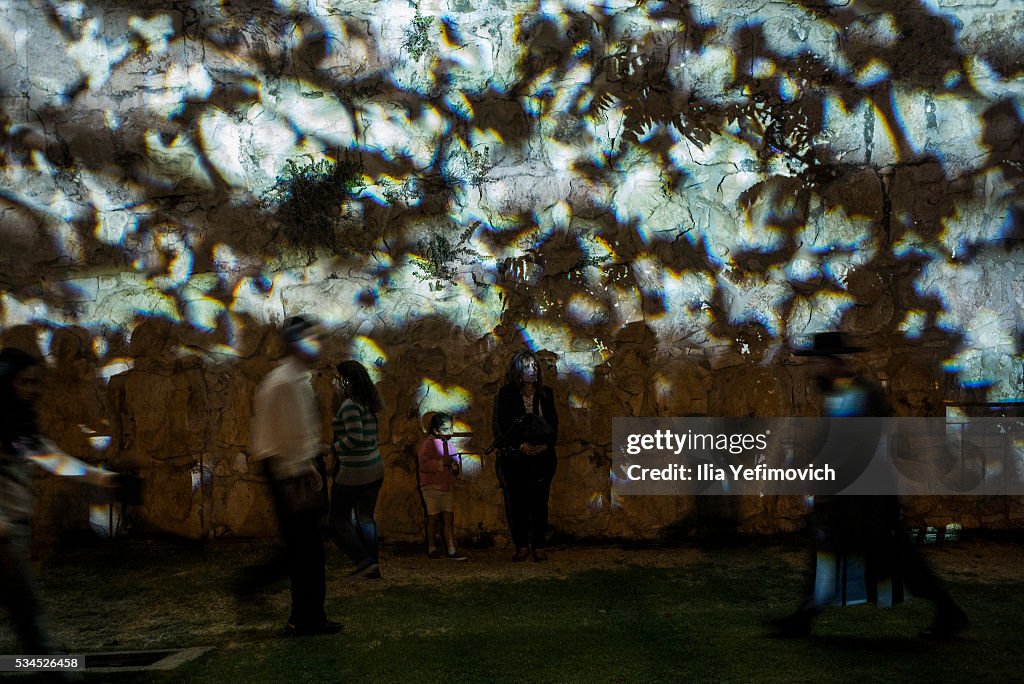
(286, 439)
(865, 526)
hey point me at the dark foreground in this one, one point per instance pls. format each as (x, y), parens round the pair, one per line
(587, 615)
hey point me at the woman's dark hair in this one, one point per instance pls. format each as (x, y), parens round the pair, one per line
(17, 416)
(437, 419)
(514, 374)
(360, 386)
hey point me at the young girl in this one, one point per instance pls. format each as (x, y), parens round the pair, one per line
(438, 470)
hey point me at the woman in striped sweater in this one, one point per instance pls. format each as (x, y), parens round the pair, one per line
(358, 469)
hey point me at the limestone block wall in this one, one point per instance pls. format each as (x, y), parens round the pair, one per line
(661, 199)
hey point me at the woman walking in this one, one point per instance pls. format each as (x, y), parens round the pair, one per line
(358, 469)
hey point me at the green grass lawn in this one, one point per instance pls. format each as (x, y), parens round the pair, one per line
(588, 615)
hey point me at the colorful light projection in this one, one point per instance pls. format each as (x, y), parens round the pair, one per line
(700, 172)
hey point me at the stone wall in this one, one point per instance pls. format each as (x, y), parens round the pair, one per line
(662, 199)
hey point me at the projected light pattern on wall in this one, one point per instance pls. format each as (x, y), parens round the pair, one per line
(548, 174)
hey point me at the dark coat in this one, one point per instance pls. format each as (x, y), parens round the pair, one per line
(508, 408)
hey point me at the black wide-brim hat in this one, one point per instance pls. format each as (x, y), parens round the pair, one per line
(829, 344)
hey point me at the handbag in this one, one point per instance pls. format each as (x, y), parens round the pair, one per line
(536, 430)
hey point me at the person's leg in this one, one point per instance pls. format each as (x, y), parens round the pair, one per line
(346, 535)
(517, 486)
(818, 582)
(449, 531)
(308, 582)
(253, 578)
(921, 580)
(433, 531)
(18, 594)
(540, 490)
(365, 506)
(300, 553)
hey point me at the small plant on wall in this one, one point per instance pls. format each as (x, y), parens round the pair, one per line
(417, 35)
(307, 200)
(436, 258)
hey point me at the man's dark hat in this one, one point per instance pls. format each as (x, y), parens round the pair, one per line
(296, 327)
(829, 344)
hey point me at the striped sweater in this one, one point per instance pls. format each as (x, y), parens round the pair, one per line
(355, 445)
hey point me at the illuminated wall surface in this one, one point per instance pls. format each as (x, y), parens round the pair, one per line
(662, 197)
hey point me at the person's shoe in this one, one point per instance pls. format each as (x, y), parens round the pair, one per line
(326, 627)
(794, 626)
(374, 575)
(433, 555)
(948, 623)
(539, 555)
(367, 567)
(456, 556)
(521, 555)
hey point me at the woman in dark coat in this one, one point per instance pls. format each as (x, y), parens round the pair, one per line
(525, 425)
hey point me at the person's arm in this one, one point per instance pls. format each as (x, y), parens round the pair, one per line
(51, 458)
(349, 429)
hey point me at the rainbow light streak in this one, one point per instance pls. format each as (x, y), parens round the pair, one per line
(459, 105)
(913, 324)
(44, 337)
(802, 270)
(431, 396)
(789, 91)
(596, 503)
(155, 33)
(579, 364)
(472, 465)
(990, 330)
(975, 369)
(221, 138)
(630, 202)
(17, 312)
(531, 344)
(762, 68)
(577, 401)
(204, 313)
(367, 352)
(178, 159)
(661, 388)
(614, 499)
(115, 366)
(585, 310)
(821, 311)
(756, 300)
(983, 78)
(307, 110)
(100, 345)
(873, 73)
(104, 519)
(892, 134)
(59, 464)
